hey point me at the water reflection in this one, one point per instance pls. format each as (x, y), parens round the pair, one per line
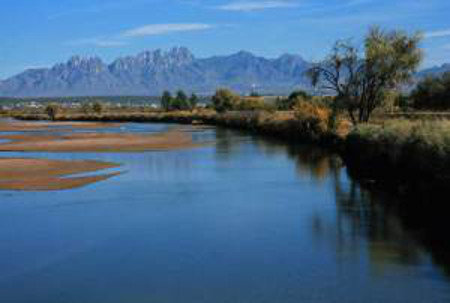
(364, 220)
(311, 161)
(246, 219)
(363, 213)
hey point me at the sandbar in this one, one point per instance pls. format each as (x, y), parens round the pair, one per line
(28, 174)
(97, 142)
(21, 126)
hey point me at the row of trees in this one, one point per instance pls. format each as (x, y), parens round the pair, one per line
(225, 99)
(291, 101)
(181, 101)
(358, 81)
(53, 109)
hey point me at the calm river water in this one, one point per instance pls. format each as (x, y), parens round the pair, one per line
(240, 220)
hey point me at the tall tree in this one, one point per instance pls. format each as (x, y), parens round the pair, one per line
(98, 107)
(181, 101)
(193, 100)
(52, 110)
(360, 82)
(166, 100)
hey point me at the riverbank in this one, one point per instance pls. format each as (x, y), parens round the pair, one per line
(279, 124)
(407, 157)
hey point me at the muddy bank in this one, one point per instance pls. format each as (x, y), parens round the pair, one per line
(27, 174)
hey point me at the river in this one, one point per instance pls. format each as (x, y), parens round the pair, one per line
(243, 219)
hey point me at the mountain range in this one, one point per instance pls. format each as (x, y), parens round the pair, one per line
(435, 71)
(152, 72)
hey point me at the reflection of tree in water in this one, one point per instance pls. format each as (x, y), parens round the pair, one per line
(311, 161)
(389, 242)
(314, 162)
(359, 217)
(227, 142)
(362, 219)
(369, 221)
(392, 240)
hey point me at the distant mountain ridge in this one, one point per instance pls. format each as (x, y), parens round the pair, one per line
(151, 72)
(435, 71)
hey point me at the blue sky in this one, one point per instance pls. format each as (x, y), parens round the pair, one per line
(41, 33)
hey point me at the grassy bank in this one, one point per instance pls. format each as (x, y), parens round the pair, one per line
(409, 158)
(412, 156)
(280, 124)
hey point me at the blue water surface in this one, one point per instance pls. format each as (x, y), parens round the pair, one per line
(240, 220)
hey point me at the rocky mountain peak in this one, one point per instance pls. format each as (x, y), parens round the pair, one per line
(153, 71)
(78, 61)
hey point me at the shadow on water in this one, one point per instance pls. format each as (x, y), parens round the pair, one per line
(362, 212)
(311, 161)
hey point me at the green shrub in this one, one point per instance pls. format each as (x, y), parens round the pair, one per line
(181, 101)
(52, 110)
(3, 111)
(193, 100)
(252, 103)
(224, 100)
(98, 107)
(290, 102)
(86, 108)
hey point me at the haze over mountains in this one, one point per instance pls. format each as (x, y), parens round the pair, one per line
(151, 72)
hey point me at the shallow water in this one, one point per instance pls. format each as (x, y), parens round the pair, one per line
(242, 220)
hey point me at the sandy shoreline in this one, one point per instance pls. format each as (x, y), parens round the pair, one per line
(28, 140)
(27, 174)
(45, 174)
(97, 142)
(20, 126)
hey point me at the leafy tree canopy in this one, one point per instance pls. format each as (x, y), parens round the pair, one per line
(360, 81)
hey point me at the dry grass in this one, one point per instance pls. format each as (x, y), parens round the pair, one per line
(417, 151)
(427, 134)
